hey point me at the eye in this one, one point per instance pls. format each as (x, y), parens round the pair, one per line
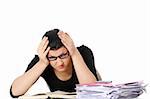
(52, 58)
(64, 55)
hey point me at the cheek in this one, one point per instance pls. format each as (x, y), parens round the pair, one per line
(53, 64)
(67, 61)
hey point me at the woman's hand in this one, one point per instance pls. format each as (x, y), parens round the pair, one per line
(42, 51)
(68, 42)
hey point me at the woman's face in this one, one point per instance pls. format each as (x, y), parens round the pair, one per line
(59, 59)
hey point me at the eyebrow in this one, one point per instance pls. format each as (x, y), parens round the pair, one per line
(60, 54)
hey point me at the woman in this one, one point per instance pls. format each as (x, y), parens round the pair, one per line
(60, 63)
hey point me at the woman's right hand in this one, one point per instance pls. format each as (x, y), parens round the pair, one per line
(42, 51)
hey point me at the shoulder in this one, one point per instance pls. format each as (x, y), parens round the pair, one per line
(87, 55)
(35, 59)
(32, 62)
(83, 47)
(85, 51)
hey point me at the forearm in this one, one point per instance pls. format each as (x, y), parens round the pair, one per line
(25, 81)
(83, 73)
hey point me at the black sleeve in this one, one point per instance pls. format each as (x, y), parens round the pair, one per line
(88, 58)
(33, 62)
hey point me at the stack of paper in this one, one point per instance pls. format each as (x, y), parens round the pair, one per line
(108, 90)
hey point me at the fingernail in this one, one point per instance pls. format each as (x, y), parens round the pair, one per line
(60, 32)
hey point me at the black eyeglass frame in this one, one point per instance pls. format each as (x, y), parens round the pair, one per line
(62, 56)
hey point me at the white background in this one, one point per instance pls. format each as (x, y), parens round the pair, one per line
(118, 32)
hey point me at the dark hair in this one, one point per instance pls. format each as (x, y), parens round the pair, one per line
(54, 41)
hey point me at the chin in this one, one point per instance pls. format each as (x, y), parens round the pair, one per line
(61, 69)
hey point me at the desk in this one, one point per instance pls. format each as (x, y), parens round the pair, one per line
(37, 86)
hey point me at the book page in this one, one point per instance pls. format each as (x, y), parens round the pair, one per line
(56, 94)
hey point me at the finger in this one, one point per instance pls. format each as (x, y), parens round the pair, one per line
(42, 43)
(64, 36)
(68, 41)
(47, 50)
(44, 46)
(60, 32)
(67, 44)
(40, 47)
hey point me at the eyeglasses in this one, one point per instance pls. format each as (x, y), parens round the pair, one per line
(62, 56)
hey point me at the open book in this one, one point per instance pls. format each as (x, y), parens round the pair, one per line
(51, 95)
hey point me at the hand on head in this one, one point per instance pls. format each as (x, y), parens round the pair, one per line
(43, 50)
(67, 41)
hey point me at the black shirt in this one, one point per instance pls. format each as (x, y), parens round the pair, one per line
(54, 83)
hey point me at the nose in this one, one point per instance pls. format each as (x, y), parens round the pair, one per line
(59, 61)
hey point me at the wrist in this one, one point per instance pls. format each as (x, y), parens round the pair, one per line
(75, 52)
(43, 64)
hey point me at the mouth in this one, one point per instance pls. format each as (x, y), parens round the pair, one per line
(61, 66)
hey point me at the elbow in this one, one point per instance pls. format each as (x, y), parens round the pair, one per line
(14, 92)
(88, 80)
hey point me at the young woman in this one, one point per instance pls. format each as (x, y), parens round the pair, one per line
(60, 63)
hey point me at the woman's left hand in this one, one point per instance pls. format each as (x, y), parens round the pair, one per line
(67, 41)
